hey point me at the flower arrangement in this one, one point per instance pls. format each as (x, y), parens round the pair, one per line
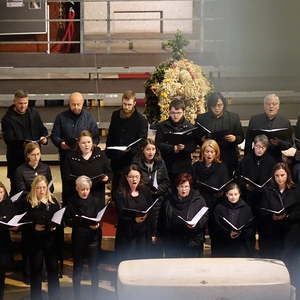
(176, 78)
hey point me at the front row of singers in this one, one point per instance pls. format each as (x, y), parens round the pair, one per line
(156, 218)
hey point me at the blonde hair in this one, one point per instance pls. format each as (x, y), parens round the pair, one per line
(213, 144)
(32, 198)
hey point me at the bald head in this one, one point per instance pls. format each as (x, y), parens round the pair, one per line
(76, 102)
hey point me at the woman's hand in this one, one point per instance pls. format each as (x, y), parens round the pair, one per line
(278, 217)
(153, 240)
(15, 228)
(52, 228)
(94, 227)
(234, 234)
(39, 227)
(230, 138)
(140, 219)
(104, 178)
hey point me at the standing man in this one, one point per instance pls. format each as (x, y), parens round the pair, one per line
(219, 120)
(127, 125)
(20, 124)
(177, 157)
(68, 125)
(270, 119)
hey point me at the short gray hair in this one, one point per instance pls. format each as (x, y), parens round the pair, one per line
(262, 138)
(83, 181)
(271, 96)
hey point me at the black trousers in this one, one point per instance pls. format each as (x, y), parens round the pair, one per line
(85, 249)
(43, 248)
(2, 284)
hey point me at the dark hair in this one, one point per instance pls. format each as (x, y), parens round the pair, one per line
(183, 177)
(128, 95)
(82, 134)
(124, 187)
(144, 144)
(232, 186)
(285, 167)
(177, 104)
(213, 98)
(20, 94)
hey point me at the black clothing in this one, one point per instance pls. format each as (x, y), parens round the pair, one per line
(238, 214)
(67, 127)
(230, 122)
(176, 162)
(278, 238)
(25, 175)
(86, 242)
(261, 121)
(281, 239)
(42, 247)
(122, 132)
(259, 170)
(132, 238)
(75, 165)
(6, 213)
(15, 135)
(216, 175)
(177, 238)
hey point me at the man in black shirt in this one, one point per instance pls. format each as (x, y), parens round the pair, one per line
(225, 127)
(127, 125)
(20, 124)
(270, 119)
(177, 157)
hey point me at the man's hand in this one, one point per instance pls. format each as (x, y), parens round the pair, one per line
(230, 138)
(64, 146)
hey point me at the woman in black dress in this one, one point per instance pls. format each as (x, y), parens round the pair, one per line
(86, 239)
(6, 213)
(41, 206)
(90, 161)
(280, 220)
(134, 231)
(180, 239)
(230, 240)
(33, 167)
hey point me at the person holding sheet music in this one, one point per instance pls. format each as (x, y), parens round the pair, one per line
(233, 225)
(178, 238)
(270, 120)
(225, 126)
(127, 125)
(154, 173)
(86, 239)
(87, 160)
(210, 174)
(33, 167)
(176, 156)
(20, 124)
(280, 221)
(6, 257)
(41, 238)
(255, 171)
(135, 231)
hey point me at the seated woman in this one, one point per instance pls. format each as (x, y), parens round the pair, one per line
(209, 172)
(88, 160)
(256, 166)
(180, 239)
(6, 259)
(232, 226)
(134, 231)
(41, 234)
(86, 239)
(279, 221)
(33, 167)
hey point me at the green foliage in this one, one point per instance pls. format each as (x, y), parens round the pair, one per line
(177, 45)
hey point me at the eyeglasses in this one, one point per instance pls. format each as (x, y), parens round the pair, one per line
(271, 103)
(176, 113)
(259, 147)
